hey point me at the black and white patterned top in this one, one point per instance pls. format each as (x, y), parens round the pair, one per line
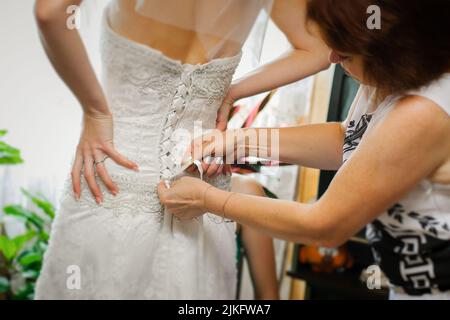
(411, 241)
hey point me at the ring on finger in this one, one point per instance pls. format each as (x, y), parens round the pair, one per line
(100, 161)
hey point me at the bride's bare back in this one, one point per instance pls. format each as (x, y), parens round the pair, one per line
(175, 42)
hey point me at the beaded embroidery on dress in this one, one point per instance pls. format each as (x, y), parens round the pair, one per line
(127, 248)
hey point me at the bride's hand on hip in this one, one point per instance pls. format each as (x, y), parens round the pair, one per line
(95, 146)
(184, 197)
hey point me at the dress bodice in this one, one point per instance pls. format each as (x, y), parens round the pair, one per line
(159, 105)
(146, 89)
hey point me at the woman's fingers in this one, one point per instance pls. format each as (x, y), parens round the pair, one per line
(162, 192)
(222, 116)
(200, 148)
(192, 169)
(89, 175)
(209, 148)
(120, 159)
(76, 174)
(165, 196)
(226, 170)
(213, 167)
(195, 150)
(182, 197)
(100, 169)
(206, 163)
(219, 171)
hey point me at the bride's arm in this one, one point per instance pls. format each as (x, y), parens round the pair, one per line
(308, 56)
(68, 56)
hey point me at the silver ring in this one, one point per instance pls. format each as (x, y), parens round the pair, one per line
(100, 161)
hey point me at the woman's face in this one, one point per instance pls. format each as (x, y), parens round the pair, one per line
(352, 64)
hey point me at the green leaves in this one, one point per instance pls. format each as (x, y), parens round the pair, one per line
(32, 220)
(11, 247)
(8, 154)
(30, 274)
(28, 216)
(22, 255)
(4, 285)
(7, 247)
(26, 292)
(30, 258)
(41, 202)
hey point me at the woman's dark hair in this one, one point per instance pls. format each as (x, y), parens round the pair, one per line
(411, 49)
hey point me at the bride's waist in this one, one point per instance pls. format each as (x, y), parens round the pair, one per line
(137, 193)
(140, 137)
(188, 122)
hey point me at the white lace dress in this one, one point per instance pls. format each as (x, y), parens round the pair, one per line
(128, 248)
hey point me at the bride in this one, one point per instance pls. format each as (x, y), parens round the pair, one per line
(167, 64)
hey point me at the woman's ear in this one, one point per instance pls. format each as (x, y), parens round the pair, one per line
(334, 57)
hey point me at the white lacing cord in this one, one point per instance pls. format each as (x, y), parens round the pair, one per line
(198, 164)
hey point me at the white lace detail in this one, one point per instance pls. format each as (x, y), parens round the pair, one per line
(138, 197)
(209, 81)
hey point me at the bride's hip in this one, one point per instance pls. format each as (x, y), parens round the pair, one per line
(137, 195)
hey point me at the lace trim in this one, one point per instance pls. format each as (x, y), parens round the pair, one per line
(211, 80)
(136, 64)
(135, 196)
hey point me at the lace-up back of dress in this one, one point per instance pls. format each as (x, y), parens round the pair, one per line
(156, 103)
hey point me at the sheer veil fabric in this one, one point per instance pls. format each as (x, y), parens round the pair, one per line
(219, 27)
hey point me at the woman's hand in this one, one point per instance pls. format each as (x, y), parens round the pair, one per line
(223, 113)
(217, 150)
(96, 144)
(185, 198)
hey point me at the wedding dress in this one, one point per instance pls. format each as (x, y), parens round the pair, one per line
(128, 248)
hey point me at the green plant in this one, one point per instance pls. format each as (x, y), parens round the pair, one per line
(8, 154)
(22, 255)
